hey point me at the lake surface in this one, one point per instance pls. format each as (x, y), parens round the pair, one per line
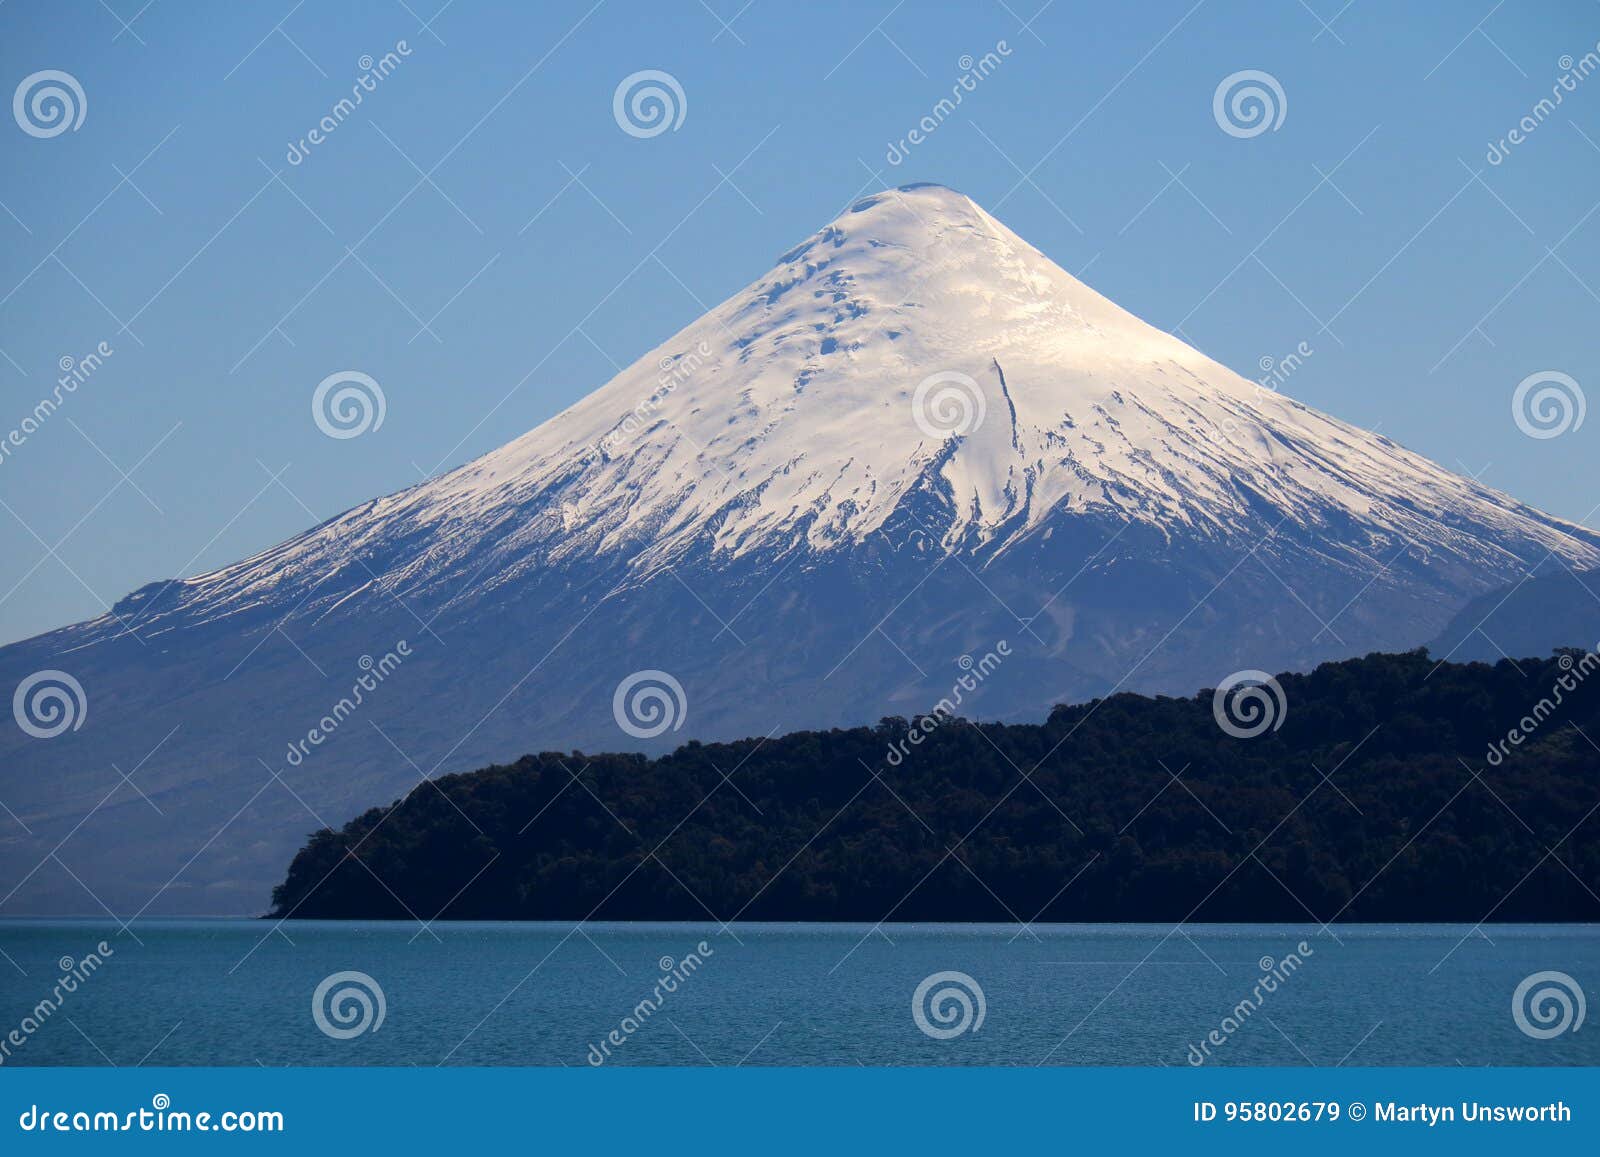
(240, 992)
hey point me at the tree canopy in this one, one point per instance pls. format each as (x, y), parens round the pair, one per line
(1376, 799)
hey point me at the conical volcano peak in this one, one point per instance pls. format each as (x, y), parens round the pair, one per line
(930, 189)
(926, 263)
(924, 196)
(917, 217)
(764, 506)
(914, 354)
(913, 218)
(916, 350)
(922, 188)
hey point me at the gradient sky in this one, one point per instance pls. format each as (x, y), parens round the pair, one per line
(547, 248)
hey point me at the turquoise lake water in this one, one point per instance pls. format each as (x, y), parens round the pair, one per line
(240, 992)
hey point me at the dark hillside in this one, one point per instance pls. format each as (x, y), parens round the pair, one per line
(1376, 800)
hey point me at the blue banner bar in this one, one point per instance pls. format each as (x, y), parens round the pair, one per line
(776, 1110)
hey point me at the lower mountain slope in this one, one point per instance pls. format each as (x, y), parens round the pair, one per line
(1533, 616)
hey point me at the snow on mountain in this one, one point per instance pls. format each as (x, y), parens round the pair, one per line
(913, 436)
(787, 417)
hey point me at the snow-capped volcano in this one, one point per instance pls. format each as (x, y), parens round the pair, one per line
(914, 436)
(789, 417)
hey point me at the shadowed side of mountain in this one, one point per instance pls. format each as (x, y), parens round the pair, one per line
(1534, 616)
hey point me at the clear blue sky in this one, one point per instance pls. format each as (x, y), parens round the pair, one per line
(1438, 291)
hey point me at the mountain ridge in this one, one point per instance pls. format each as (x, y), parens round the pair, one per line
(1532, 616)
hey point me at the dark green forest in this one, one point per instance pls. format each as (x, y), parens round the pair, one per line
(1377, 799)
